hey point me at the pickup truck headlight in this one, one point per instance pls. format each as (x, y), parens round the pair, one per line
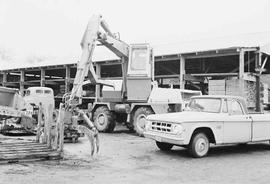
(177, 129)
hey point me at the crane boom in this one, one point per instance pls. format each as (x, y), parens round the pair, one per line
(92, 34)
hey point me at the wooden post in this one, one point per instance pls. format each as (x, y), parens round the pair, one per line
(258, 81)
(22, 79)
(48, 123)
(4, 79)
(60, 129)
(42, 77)
(38, 134)
(67, 79)
(241, 64)
(182, 72)
(241, 72)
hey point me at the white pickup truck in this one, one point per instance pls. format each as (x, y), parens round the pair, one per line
(208, 119)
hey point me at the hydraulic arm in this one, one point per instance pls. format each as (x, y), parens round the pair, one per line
(92, 34)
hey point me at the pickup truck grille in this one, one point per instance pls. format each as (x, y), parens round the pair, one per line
(161, 126)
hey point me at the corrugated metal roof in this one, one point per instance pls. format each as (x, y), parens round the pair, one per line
(261, 40)
(246, 40)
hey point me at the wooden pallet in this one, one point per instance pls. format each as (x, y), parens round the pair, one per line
(26, 151)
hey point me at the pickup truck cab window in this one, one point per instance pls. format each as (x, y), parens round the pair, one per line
(205, 105)
(235, 108)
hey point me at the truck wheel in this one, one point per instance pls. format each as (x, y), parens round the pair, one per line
(139, 119)
(104, 119)
(199, 145)
(164, 146)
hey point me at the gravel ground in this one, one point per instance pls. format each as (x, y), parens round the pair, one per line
(126, 158)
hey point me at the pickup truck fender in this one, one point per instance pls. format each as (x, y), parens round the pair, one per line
(214, 131)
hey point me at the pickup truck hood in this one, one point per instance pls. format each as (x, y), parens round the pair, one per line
(186, 116)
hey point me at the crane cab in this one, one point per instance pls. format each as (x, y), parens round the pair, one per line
(140, 72)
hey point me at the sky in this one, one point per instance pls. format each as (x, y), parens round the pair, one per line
(33, 31)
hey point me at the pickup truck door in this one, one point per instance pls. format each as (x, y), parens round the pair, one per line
(260, 127)
(237, 125)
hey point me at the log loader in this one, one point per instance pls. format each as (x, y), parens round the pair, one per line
(130, 99)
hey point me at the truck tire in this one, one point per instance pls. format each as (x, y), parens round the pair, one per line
(104, 119)
(199, 145)
(164, 146)
(139, 119)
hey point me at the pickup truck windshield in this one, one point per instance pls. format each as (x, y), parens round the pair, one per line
(204, 105)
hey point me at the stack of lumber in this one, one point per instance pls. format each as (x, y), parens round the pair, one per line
(26, 151)
(234, 87)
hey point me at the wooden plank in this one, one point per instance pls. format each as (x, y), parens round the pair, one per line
(60, 122)
(214, 74)
(217, 82)
(31, 150)
(20, 144)
(21, 160)
(48, 123)
(216, 92)
(217, 88)
(21, 148)
(32, 155)
(38, 134)
(28, 151)
(32, 158)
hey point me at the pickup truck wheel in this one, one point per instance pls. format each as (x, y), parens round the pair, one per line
(164, 146)
(139, 119)
(199, 145)
(104, 119)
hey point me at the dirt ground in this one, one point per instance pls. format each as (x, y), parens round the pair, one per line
(126, 158)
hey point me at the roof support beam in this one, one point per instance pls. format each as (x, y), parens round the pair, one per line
(182, 72)
(67, 79)
(42, 77)
(258, 61)
(22, 79)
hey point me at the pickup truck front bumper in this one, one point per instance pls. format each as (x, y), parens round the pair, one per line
(167, 138)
